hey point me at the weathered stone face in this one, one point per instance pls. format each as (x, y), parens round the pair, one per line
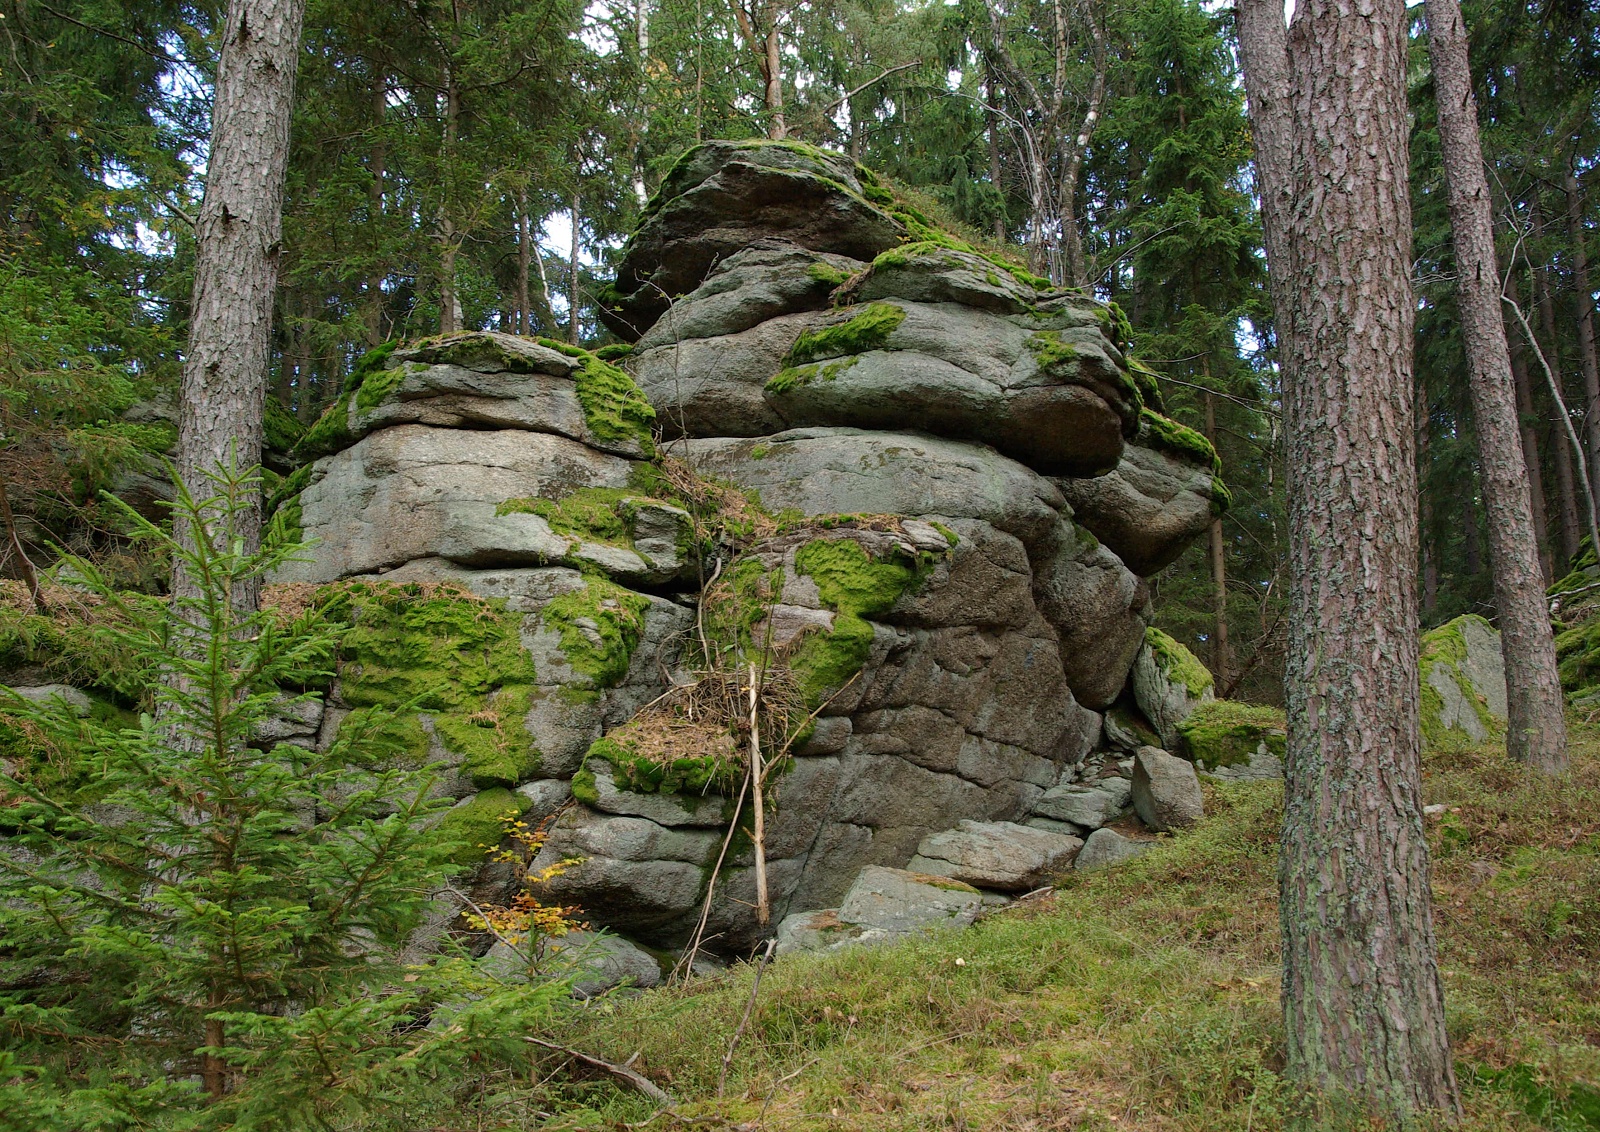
(889, 417)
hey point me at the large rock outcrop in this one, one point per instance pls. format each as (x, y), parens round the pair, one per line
(874, 491)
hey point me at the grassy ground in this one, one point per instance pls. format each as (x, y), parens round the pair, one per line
(1146, 997)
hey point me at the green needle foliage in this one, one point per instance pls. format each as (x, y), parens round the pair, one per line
(218, 941)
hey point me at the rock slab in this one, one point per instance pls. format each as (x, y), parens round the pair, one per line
(1166, 790)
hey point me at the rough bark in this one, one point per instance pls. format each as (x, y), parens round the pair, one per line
(1527, 415)
(1536, 730)
(1363, 1005)
(524, 319)
(1221, 654)
(237, 243)
(1587, 357)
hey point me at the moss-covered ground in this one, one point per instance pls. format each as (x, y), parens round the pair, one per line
(1146, 996)
(1227, 732)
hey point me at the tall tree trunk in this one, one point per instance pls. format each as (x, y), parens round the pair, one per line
(1363, 1005)
(1536, 730)
(524, 323)
(1526, 416)
(1221, 655)
(1585, 299)
(237, 243)
(772, 71)
(1430, 551)
(1568, 521)
(992, 129)
(572, 289)
(377, 170)
(449, 237)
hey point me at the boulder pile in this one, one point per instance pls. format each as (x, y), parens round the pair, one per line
(909, 489)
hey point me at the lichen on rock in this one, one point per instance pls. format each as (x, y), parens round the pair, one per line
(1463, 682)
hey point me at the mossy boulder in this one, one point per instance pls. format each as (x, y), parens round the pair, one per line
(723, 196)
(1169, 683)
(475, 826)
(1230, 740)
(1463, 680)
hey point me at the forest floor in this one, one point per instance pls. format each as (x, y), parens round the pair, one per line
(1145, 996)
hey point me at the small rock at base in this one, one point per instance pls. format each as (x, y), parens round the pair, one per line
(1108, 847)
(895, 900)
(1166, 790)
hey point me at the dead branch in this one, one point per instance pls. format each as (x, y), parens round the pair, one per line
(634, 1080)
(749, 1008)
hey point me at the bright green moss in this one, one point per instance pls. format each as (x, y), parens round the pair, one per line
(387, 736)
(613, 407)
(1049, 350)
(611, 351)
(1118, 328)
(331, 431)
(282, 430)
(436, 648)
(854, 586)
(1180, 440)
(827, 274)
(737, 604)
(1221, 497)
(950, 536)
(869, 330)
(445, 652)
(1227, 733)
(760, 451)
(1148, 381)
(476, 826)
(599, 627)
(584, 788)
(1578, 656)
(710, 774)
(1177, 663)
(495, 740)
(928, 238)
(796, 376)
(601, 514)
(377, 386)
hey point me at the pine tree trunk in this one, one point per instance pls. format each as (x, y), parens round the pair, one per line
(1221, 655)
(377, 162)
(237, 243)
(992, 129)
(1363, 1005)
(1536, 732)
(572, 290)
(524, 324)
(1526, 415)
(772, 71)
(1587, 358)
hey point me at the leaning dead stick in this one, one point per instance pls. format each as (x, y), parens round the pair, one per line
(686, 963)
(749, 1008)
(633, 1079)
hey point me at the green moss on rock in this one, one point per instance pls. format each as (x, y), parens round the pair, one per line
(1180, 440)
(633, 772)
(869, 330)
(600, 514)
(1227, 733)
(613, 407)
(476, 826)
(1446, 645)
(853, 585)
(495, 740)
(794, 376)
(1049, 350)
(1578, 657)
(827, 274)
(1177, 663)
(599, 627)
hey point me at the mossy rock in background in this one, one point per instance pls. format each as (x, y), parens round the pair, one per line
(1463, 682)
(477, 825)
(1169, 683)
(1238, 740)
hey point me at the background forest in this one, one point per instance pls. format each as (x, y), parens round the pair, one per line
(477, 164)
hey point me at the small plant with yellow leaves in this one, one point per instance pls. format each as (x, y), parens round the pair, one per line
(526, 923)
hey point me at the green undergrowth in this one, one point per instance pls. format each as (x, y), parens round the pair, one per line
(1177, 663)
(1227, 732)
(331, 431)
(599, 626)
(868, 330)
(439, 650)
(1146, 996)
